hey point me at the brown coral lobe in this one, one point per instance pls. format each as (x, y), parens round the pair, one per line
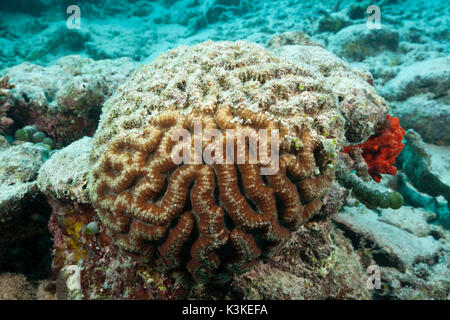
(206, 218)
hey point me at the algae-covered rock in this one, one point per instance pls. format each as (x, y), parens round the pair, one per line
(427, 116)
(65, 175)
(64, 99)
(420, 283)
(396, 247)
(38, 137)
(420, 97)
(428, 174)
(429, 76)
(26, 133)
(332, 24)
(357, 42)
(318, 263)
(23, 209)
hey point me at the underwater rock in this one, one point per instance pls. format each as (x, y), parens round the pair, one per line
(23, 209)
(223, 10)
(291, 38)
(422, 282)
(426, 116)
(317, 263)
(332, 23)
(64, 100)
(417, 199)
(38, 137)
(55, 38)
(64, 176)
(25, 134)
(357, 42)
(140, 28)
(17, 287)
(34, 8)
(357, 11)
(3, 142)
(429, 76)
(428, 174)
(414, 220)
(364, 110)
(397, 248)
(420, 96)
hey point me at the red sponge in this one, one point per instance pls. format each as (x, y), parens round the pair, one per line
(381, 150)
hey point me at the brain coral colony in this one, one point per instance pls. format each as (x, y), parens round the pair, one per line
(211, 221)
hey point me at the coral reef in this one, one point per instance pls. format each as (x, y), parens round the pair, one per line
(381, 149)
(64, 175)
(106, 272)
(316, 255)
(18, 287)
(326, 101)
(317, 263)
